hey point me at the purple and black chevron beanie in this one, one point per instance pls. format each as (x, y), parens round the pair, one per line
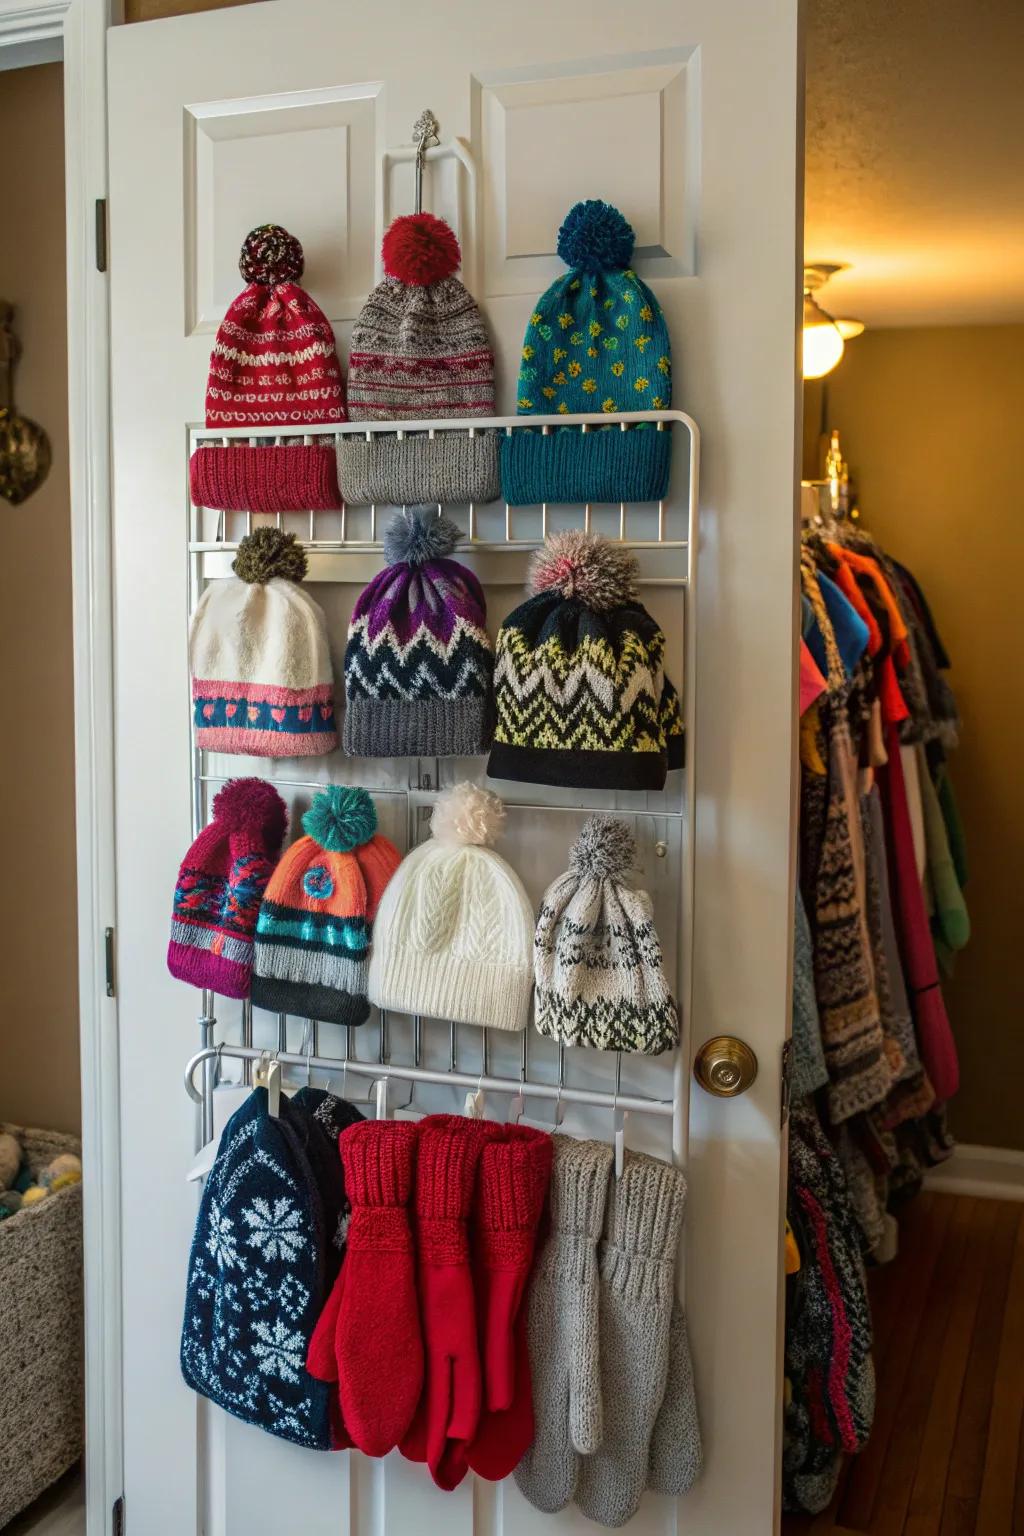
(419, 663)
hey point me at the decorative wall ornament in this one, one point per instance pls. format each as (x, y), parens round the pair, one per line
(25, 455)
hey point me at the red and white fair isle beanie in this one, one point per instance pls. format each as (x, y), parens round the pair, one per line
(274, 365)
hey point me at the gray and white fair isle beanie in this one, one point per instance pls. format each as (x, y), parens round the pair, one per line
(597, 959)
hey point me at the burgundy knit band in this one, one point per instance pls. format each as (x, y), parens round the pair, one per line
(295, 478)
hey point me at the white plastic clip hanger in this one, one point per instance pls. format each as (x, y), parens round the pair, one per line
(618, 1120)
(268, 1075)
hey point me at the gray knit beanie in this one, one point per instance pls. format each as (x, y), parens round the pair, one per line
(562, 1327)
(643, 1224)
(420, 351)
(597, 959)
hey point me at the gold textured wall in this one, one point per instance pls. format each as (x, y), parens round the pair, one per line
(39, 1082)
(930, 421)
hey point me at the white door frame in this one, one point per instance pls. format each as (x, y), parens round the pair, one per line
(32, 32)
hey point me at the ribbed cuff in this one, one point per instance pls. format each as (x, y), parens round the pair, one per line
(442, 986)
(515, 1172)
(297, 478)
(602, 464)
(448, 469)
(379, 1157)
(577, 770)
(446, 1162)
(579, 1186)
(417, 727)
(646, 1207)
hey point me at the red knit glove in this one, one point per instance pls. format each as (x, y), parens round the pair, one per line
(512, 1188)
(449, 1150)
(378, 1343)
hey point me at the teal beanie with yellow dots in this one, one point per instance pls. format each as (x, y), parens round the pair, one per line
(596, 342)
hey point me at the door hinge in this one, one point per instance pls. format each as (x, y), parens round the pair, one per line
(101, 234)
(117, 1516)
(108, 959)
(787, 1078)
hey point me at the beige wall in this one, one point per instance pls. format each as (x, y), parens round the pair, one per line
(931, 421)
(38, 982)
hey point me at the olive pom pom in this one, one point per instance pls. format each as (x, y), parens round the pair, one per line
(269, 552)
(595, 238)
(420, 249)
(252, 805)
(593, 570)
(421, 536)
(605, 848)
(341, 819)
(467, 814)
(271, 255)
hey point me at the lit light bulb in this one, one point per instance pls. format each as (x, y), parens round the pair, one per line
(823, 347)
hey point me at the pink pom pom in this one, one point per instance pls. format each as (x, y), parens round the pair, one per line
(252, 805)
(420, 249)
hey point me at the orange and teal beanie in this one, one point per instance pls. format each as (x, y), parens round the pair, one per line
(315, 925)
(596, 342)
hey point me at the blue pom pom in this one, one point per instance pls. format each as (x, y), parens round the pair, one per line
(341, 819)
(595, 238)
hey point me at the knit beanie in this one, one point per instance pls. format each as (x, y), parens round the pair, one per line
(420, 351)
(258, 1275)
(455, 927)
(220, 885)
(261, 668)
(597, 341)
(419, 663)
(581, 696)
(597, 958)
(274, 364)
(315, 924)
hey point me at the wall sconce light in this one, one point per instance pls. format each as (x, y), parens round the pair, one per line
(824, 336)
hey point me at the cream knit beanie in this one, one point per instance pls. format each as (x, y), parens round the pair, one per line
(454, 932)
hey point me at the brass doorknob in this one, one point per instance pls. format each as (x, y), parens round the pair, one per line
(725, 1066)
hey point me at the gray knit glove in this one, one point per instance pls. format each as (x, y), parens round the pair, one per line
(638, 1264)
(562, 1327)
(676, 1455)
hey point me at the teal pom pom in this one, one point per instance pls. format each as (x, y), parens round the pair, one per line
(341, 819)
(595, 238)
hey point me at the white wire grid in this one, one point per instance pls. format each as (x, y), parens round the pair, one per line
(434, 1057)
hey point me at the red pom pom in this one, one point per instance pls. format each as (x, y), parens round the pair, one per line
(420, 249)
(252, 805)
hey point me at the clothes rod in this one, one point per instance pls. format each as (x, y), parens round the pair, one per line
(375, 1070)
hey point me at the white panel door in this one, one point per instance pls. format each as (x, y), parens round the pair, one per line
(685, 114)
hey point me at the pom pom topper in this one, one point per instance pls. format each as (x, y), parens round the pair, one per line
(269, 552)
(604, 850)
(467, 814)
(271, 255)
(252, 805)
(595, 237)
(420, 249)
(588, 568)
(419, 535)
(341, 818)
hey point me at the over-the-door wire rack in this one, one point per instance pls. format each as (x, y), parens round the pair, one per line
(344, 546)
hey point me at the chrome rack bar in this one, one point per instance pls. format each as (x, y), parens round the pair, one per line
(374, 1070)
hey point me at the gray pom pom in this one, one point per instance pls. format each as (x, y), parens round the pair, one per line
(605, 848)
(420, 535)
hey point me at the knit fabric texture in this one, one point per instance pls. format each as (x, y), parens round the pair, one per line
(596, 341)
(419, 662)
(454, 937)
(274, 362)
(268, 478)
(420, 349)
(581, 695)
(563, 1327)
(256, 1280)
(597, 958)
(809, 1072)
(262, 682)
(315, 924)
(220, 886)
(448, 469)
(637, 1259)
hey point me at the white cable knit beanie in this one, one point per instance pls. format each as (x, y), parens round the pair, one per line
(453, 936)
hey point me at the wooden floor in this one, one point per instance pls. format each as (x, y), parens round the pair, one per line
(946, 1455)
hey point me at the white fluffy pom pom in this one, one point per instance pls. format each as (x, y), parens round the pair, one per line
(466, 814)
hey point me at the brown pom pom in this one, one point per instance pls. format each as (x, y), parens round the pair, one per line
(269, 552)
(593, 570)
(271, 255)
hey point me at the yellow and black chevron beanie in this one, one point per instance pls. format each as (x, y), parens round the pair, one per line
(581, 696)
